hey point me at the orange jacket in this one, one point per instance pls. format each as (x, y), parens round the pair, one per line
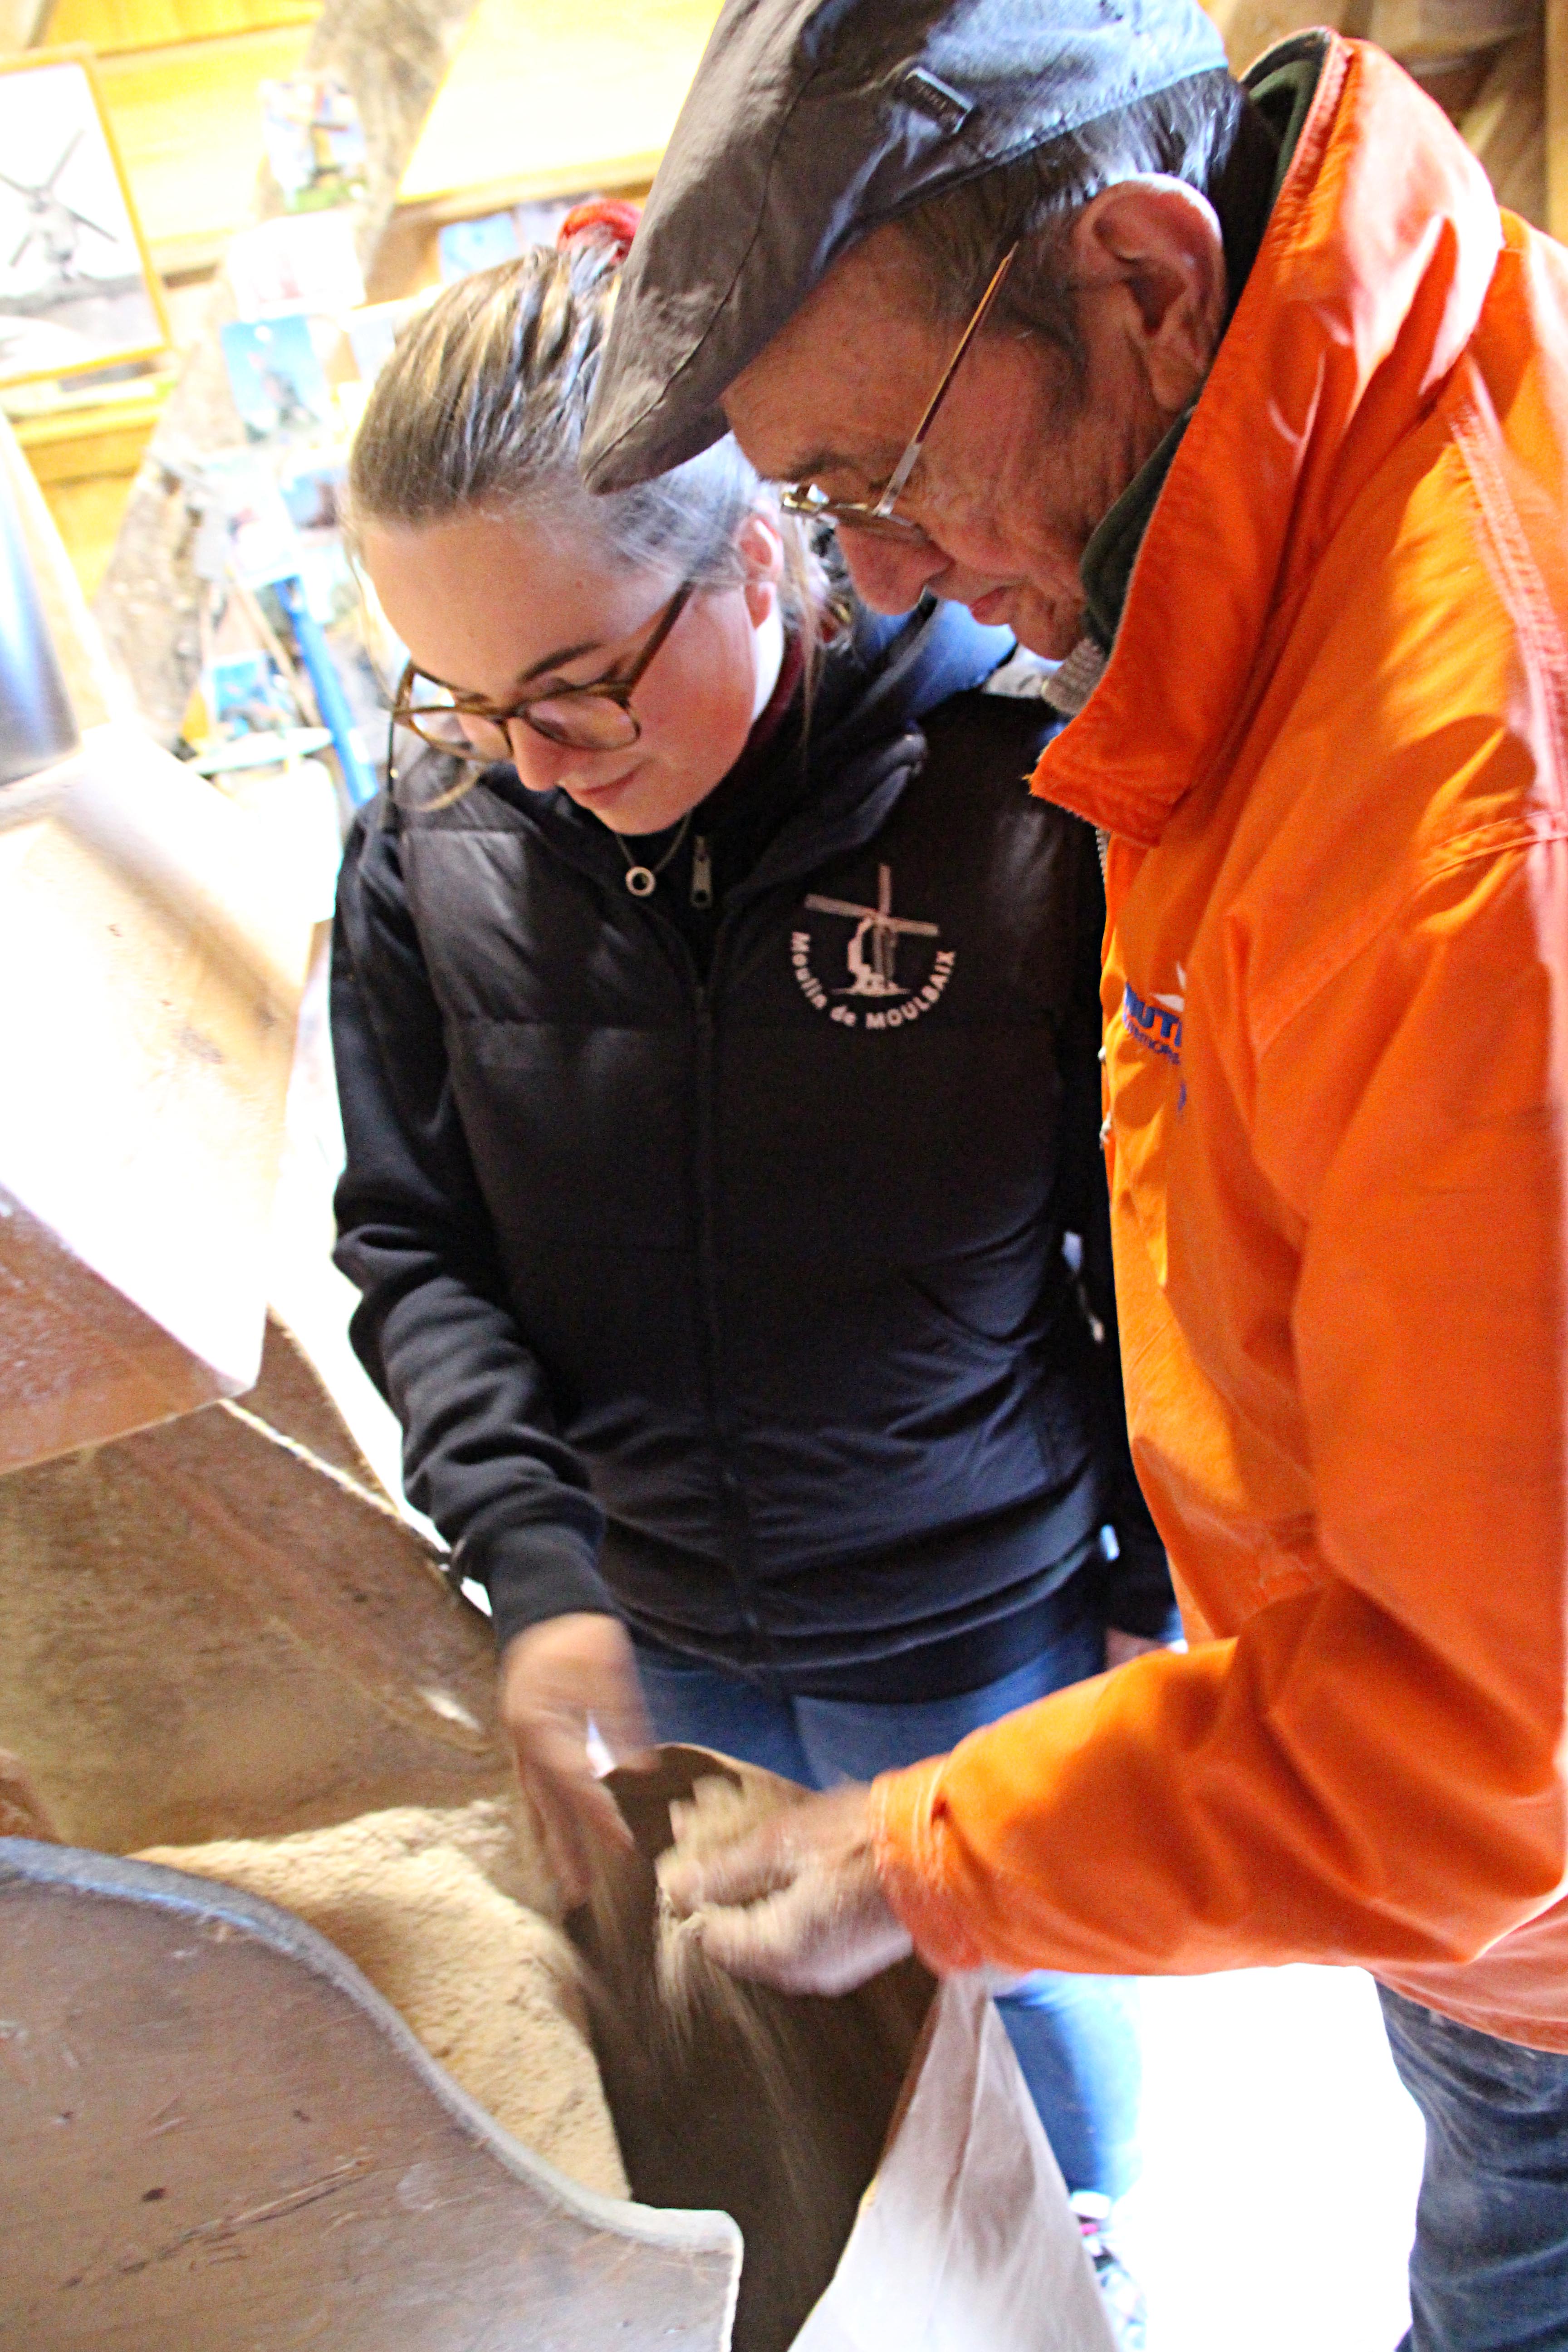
(1331, 745)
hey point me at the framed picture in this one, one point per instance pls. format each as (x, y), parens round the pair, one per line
(77, 288)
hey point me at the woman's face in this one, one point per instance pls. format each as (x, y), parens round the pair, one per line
(495, 608)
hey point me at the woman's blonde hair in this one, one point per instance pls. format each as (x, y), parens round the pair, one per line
(481, 406)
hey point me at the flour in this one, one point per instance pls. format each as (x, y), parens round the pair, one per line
(700, 2007)
(769, 2105)
(717, 1812)
(441, 1909)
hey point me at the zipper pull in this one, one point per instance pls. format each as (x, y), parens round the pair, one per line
(702, 871)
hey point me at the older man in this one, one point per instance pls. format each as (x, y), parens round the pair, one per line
(1249, 405)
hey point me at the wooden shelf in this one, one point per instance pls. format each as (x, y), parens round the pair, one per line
(540, 101)
(85, 460)
(189, 120)
(558, 98)
(111, 26)
(107, 437)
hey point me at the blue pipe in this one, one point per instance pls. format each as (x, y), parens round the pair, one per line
(330, 699)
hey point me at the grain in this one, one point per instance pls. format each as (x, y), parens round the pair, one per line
(772, 2106)
(429, 1905)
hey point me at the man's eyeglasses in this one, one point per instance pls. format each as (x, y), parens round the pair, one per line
(876, 515)
(593, 717)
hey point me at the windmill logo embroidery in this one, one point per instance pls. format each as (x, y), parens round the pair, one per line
(888, 998)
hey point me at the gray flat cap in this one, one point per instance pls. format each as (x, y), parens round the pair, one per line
(811, 122)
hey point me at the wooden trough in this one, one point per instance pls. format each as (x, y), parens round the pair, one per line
(215, 2134)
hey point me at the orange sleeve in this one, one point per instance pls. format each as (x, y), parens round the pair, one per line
(1371, 1770)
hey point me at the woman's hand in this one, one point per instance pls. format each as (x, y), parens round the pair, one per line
(554, 1678)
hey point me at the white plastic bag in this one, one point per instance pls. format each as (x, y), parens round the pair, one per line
(964, 2241)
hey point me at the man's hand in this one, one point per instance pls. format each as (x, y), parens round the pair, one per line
(792, 1903)
(554, 1677)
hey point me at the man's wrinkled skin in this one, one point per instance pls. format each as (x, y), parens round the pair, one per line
(794, 1902)
(1028, 455)
(1025, 461)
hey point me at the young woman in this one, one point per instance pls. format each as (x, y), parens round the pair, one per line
(718, 1052)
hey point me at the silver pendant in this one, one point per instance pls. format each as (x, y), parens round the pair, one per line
(641, 881)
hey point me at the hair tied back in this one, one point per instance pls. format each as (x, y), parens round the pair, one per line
(607, 221)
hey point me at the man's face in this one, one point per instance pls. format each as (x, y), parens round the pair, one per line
(1026, 456)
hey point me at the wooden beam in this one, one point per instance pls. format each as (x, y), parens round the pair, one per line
(188, 121)
(19, 23)
(113, 27)
(1557, 117)
(408, 258)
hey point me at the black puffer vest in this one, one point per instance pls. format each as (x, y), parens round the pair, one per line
(739, 1301)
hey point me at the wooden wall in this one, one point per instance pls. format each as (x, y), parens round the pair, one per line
(542, 99)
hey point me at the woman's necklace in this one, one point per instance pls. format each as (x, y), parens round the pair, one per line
(641, 879)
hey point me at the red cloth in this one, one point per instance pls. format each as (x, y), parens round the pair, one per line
(609, 219)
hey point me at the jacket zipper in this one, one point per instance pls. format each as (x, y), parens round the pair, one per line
(702, 871)
(734, 1518)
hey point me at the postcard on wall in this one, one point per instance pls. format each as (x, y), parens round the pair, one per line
(314, 141)
(466, 245)
(77, 287)
(279, 384)
(246, 533)
(247, 695)
(301, 261)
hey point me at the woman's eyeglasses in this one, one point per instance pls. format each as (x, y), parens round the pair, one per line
(593, 717)
(875, 516)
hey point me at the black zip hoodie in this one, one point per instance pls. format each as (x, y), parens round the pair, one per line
(717, 1262)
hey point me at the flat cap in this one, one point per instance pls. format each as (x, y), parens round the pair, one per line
(808, 124)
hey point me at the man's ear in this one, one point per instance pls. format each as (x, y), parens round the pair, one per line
(760, 545)
(1161, 241)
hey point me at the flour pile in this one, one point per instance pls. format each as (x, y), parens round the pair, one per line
(771, 2107)
(441, 1910)
(22, 1809)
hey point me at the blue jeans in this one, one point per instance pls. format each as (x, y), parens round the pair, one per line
(1076, 2036)
(1488, 2271)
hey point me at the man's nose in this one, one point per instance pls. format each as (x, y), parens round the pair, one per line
(889, 573)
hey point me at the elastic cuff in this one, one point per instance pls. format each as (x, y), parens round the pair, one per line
(531, 1573)
(909, 1830)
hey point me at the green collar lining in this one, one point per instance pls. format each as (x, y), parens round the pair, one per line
(1282, 85)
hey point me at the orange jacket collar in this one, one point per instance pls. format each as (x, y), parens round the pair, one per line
(1368, 285)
